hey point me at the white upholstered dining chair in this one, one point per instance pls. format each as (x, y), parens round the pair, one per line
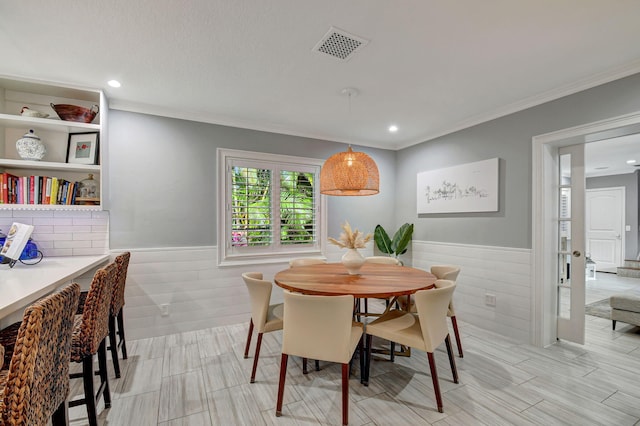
(264, 316)
(303, 261)
(450, 272)
(387, 260)
(444, 272)
(320, 327)
(424, 330)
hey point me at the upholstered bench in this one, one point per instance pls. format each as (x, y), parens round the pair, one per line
(625, 308)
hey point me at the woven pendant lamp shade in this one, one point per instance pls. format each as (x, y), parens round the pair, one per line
(349, 173)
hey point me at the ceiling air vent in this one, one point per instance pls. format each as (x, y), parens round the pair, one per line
(340, 44)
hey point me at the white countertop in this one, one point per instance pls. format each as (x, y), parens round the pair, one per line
(23, 284)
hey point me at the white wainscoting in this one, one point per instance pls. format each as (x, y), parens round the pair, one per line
(201, 295)
(501, 271)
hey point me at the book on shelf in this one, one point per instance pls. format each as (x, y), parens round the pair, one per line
(47, 192)
(54, 190)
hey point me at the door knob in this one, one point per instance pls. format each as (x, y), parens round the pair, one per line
(576, 253)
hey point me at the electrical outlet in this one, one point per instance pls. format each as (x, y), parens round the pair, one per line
(490, 299)
(164, 310)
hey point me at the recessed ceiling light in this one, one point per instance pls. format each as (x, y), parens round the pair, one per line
(113, 83)
(631, 161)
(393, 128)
(602, 168)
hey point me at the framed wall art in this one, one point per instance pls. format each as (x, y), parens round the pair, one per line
(471, 187)
(83, 148)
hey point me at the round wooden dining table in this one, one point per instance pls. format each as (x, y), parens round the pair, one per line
(375, 280)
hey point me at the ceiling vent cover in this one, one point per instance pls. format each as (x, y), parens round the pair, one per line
(340, 44)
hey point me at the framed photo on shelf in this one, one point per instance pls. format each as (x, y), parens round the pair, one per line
(83, 148)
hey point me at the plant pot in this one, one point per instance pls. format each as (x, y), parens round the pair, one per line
(353, 261)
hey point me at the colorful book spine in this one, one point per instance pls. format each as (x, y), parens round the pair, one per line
(3, 188)
(32, 189)
(36, 189)
(19, 199)
(54, 190)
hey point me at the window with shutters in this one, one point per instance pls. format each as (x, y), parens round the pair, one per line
(272, 209)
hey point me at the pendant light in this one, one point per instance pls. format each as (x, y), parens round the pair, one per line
(349, 173)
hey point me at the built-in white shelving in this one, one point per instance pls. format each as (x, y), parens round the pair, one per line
(16, 93)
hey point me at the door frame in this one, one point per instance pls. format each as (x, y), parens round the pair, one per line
(544, 214)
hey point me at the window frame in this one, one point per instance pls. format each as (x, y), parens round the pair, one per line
(227, 256)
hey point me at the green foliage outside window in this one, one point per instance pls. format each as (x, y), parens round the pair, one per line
(253, 220)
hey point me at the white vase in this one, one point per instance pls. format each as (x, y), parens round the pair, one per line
(353, 261)
(30, 147)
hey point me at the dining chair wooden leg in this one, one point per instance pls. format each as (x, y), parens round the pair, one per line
(283, 375)
(434, 379)
(317, 365)
(60, 417)
(452, 360)
(367, 368)
(345, 394)
(392, 351)
(255, 358)
(362, 360)
(246, 348)
(113, 345)
(454, 322)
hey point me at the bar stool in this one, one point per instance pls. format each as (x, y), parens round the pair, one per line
(116, 315)
(89, 338)
(35, 386)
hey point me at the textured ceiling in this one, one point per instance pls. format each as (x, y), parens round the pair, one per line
(430, 67)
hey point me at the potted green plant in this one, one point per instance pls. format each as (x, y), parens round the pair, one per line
(396, 246)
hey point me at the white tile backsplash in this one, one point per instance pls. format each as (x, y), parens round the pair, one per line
(37, 236)
(68, 229)
(58, 221)
(89, 236)
(71, 244)
(63, 233)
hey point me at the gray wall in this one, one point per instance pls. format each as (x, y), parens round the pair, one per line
(162, 179)
(162, 173)
(508, 138)
(630, 182)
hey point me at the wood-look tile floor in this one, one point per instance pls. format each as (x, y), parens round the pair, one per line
(201, 378)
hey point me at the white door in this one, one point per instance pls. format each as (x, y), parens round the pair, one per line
(571, 244)
(604, 225)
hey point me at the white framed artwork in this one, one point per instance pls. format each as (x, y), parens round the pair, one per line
(471, 187)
